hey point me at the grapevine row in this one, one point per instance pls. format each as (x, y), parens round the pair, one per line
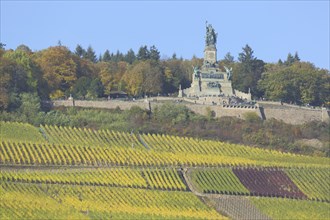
(303, 183)
(221, 181)
(315, 183)
(282, 208)
(126, 177)
(100, 201)
(17, 131)
(89, 137)
(57, 154)
(160, 144)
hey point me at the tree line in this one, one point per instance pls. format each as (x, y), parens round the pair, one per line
(57, 72)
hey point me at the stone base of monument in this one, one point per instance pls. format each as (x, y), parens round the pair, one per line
(210, 84)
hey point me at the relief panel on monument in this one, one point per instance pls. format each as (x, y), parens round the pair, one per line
(212, 76)
(213, 84)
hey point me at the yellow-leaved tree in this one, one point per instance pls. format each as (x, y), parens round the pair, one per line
(144, 77)
(59, 69)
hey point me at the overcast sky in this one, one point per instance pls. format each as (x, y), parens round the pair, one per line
(271, 28)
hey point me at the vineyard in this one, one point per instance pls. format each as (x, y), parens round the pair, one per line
(81, 173)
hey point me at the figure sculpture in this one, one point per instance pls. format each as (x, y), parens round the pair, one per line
(228, 72)
(211, 36)
(196, 71)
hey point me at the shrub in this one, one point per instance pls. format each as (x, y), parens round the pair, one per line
(251, 117)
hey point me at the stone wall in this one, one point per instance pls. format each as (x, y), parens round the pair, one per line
(111, 104)
(293, 114)
(288, 113)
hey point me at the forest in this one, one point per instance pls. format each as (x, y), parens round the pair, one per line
(57, 72)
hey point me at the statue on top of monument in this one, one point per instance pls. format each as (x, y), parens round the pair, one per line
(211, 36)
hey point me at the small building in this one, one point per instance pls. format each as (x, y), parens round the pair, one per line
(118, 95)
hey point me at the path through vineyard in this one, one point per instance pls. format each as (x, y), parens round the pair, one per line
(236, 207)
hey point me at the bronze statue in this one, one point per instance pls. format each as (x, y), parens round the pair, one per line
(211, 36)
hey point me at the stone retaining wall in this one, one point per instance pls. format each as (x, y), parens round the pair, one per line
(287, 113)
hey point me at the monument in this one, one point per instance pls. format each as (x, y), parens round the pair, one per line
(210, 80)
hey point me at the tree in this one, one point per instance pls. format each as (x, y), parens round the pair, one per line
(90, 54)
(80, 88)
(154, 53)
(174, 56)
(299, 83)
(23, 57)
(176, 72)
(2, 46)
(106, 56)
(6, 68)
(95, 89)
(80, 52)
(247, 55)
(171, 113)
(24, 48)
(59, 69)
(85, 68)
(30, 105)
(144, 78)
(130, 56)
(110, 74)
(280, 62)
(118, 57)
(296, 57)
(143, 53)
(228, 58)
(247, 72)
(18, 75)
(289, 59)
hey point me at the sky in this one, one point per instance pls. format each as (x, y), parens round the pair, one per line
(271, 28)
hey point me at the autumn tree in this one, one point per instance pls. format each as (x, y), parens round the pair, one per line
(111, 74)
(59, 69)
(85, 68)
(144, 78)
